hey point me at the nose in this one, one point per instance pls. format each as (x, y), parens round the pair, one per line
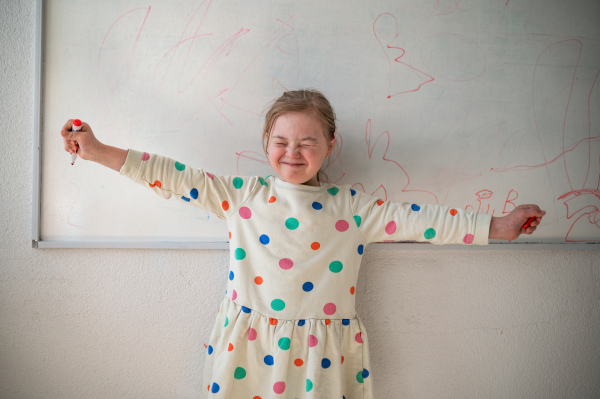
(292, 151)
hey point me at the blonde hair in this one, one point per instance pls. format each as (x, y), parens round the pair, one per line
(308, 100)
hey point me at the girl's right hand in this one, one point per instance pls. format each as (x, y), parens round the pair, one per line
(89, 148)
(83, 141)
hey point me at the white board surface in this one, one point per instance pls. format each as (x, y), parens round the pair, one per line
(477, 105)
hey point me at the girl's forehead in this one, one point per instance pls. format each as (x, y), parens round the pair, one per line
(298, 124)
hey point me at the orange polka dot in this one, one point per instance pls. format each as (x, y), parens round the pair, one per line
(327, 322)
(453, 212)
(272, 321)
(380, 202)
(257, 397)
(342, 359)
(208, 387)
(258, 280)
(298, 362)
(352, 289)
(230, 235)
(230, 348)
(272, 199)
(315, 245)
(225, 205)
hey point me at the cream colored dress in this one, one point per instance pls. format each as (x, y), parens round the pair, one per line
(287, 327)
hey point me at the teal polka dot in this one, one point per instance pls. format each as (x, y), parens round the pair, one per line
(179, 166)
(309, 385)
(278, 305)
(239, 373)
(359, 377)
(429, 234)
(336, 266)
(226, 322)
(284, 343)
(238, 182)
(292, 223)
(333, 190)
(239, 254)
(263, 182)
(357, 220)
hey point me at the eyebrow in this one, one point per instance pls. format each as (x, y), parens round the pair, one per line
(302, 139)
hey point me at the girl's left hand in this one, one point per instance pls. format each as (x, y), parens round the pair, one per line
(510, 227)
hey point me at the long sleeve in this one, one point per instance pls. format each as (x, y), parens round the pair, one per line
(393, 221)
(222, 195)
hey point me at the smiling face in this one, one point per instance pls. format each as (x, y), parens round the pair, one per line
(297, 147)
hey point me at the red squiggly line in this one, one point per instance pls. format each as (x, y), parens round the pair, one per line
(397, 59)
(370, 152)
(113, 25)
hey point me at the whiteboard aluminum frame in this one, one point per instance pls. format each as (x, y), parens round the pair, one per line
(211, 243)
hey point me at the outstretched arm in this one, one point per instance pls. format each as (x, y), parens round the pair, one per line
(510, 227)
(89, 148)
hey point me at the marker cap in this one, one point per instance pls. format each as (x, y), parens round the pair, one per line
(76, 125)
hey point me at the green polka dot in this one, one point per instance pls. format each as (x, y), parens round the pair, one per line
(429, 234)
(262, 181)
(357, 220)
(278, 304)
(336, 266)
(179, 166)
(226, 321)
(239, 373)
(292, 223)
(238, 182)
(309, 385)
(284, 343)
(359, 377)
(240, 253)
(333, 190)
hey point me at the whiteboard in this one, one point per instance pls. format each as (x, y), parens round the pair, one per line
(479, 105)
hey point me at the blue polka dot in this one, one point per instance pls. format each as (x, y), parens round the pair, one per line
(325, 363)
(185, 198)
(301, 322)
(264, 239)
(353, 192)
(346, 322)
(231, 275)
(365, 373)
(246, 310)
(215, 387)
(317, 205)
(308, 286)
(361, 249)
(269, 360)
(210, 349)
(194, 193)
(415, 207)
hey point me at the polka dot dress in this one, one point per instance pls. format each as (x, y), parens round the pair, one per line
(287, 326)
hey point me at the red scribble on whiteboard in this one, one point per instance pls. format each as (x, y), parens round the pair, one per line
(411, 79)
(386, 142)
(579, 201)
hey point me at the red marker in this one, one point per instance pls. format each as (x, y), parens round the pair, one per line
(75, 127)
(528, 222)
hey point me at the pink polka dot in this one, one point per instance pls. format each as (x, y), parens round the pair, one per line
(468, 239)
(390, 228)
(341, 225)
(279, 387)
(329, 309)
(245, 212)
(312, 341)
(252, 334)
(210, 176)
(286, 264)
(358, 338)
(145, 156)
(234, 295)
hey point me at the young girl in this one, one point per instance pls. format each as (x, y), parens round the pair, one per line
(287, 327)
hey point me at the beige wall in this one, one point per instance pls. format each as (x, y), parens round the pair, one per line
(111, 323)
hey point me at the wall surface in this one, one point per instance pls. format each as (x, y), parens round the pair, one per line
(112, 323)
